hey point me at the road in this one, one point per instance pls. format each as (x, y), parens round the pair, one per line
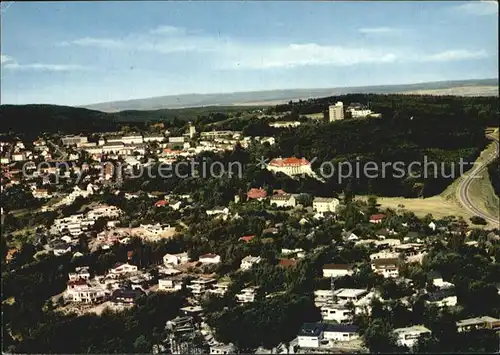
(465, 184)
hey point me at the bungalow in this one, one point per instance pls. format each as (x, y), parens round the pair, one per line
(437, 280)
(310, 335)
(388, 268)
(256, 194)
(384, 255)
(122, 269)
(81, 273)
(209, 259)
(345, 295)
(442, 298)
(409, 336)
(337, 270)
(220, 288)
(248, 261)
(123, 299)
(340, 332)
(283, 200)
(325, 204)
(377, 218)
(484, 322)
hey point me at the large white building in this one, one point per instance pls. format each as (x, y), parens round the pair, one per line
(325, 204)
(249, 261)
(283, 200)
(290, 166)
(336, 112)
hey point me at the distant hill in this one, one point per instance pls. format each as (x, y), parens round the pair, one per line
(479, 87)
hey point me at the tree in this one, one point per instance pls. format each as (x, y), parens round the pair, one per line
(379, 338)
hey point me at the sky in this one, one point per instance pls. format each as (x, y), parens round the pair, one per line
(78, 53)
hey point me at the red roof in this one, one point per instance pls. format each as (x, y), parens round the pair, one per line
(256, 193)
(247, 238)
(161, 203)
(209, 255)
(377, 217)
(279, 192)
(288, 262)
(289, 162)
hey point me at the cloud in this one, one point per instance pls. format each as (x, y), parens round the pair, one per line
(229, 53)
(478, 8)
(378, 30)
(452, 55)
(5, 59)
(10, 63)
(167, 30)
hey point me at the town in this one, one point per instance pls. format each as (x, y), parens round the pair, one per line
(357, 259)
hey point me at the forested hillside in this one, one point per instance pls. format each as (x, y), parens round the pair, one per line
(494, 172)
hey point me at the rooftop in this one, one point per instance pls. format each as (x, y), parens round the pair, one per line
(283, 162)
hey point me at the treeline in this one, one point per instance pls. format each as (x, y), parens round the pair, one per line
(494, 173)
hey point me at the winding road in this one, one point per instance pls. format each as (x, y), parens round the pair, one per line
(464, 187)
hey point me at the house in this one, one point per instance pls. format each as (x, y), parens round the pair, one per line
(123, 269)
(256, 194)
(409, 336)
(169, 284)
(247, 238)
(384, 255)
(209, 259)
(437, 280)
(217, 349)
(346, 295)
(81, 273)
(200, 286)
(325, 204)
(161, 203)
(337, 270)
(441, 298)
(248, 261)
(484, 322)
(220, 288)
(61, 249)
(283, 200)
(340, 332)
(218, 210)
(377, 218)
(432, 226)
(388, 268)
(123, 299)
(337, 312)
(175, 259)
(290, 166)
(310, 335)
(81, 292)
(246, 295)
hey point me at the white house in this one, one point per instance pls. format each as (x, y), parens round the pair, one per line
(248, 261)
(169, 284)
(388, 268)
(325, 204)
(220, 349)
(175, 259)
(283, 200)
(81, 273)
(442, 298)
(246, 295)
(199, 286)
(409, 336)
(220, 288)
(345, 295)
(337, 312)
(218, 210)
(340, 332)
(384, 255)
(337, 270)
(484, 322)
(122, 269)
(210, 259)
(81, 291)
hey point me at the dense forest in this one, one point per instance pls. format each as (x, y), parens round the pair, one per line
(494, 172)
